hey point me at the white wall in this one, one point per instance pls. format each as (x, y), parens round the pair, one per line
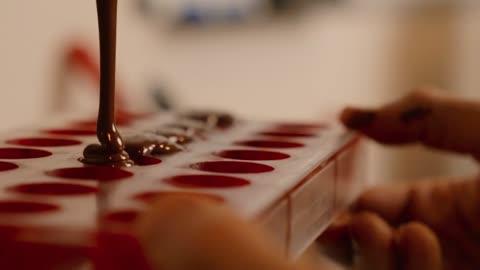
(309, 66)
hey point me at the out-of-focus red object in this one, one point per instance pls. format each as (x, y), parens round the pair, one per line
(81, 58)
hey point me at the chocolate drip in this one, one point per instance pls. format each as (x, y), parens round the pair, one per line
(175, 135)
(145, 145)
(215, 119)
(111, 150)
(189, 128)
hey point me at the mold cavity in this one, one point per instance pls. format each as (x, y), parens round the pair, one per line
(288, 134)
(252, 155)
(124, 216)
(6, 166)
(270, 144)
(103, 174)
(72, 132)
(301, 126)
(156, 195)
(24, 207)
(232, 167)
(44, 142)
(54, 189)
(147, 161)
(22, 153)
(207, 181)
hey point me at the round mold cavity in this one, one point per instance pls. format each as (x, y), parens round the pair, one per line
(232, 167)
(150, 196)
(207, 181)
(22, 153)
(26, 207)
(287, 134)
(270, 144)
(122, 216)
(72, 132)
(147, 161)
(44, 142)
(252, 155)
(96, 173)
(300, 126)
(7, 166)
(54, 189)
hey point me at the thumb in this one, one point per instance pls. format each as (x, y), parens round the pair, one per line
(425, 116)
(181, 233)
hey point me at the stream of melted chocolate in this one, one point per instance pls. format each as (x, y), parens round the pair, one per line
(111, 150)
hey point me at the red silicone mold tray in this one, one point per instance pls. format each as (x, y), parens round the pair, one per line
(291, 177)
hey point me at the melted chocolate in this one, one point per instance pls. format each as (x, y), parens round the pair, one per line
(145, 145)
(175, 135)
(111, 150)
(190, 128)
(216, 119)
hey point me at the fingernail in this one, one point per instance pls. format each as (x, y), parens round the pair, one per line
(356, 119)
(415, 113)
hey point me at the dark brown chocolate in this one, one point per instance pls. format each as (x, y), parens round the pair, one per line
(173, 135)
(140, 146)
(217, 119)
(190, 129)
(111, 150)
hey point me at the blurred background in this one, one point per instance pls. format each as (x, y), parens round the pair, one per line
(261, 59)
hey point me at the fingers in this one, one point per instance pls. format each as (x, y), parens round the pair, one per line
(468, 204)
(182, 233)
(390, 201)
(374, 242)
(419, 247)
(335, 242)
(424, 116)
(402, 202)
(379, 246)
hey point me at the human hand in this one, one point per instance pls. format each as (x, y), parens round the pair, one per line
(184, 233)
(422, 225)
